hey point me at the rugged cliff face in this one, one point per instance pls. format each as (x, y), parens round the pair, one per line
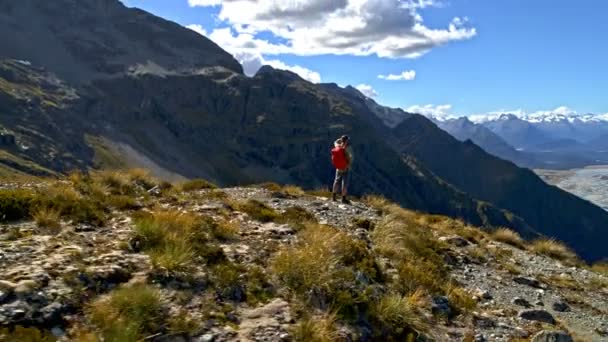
(84, 39)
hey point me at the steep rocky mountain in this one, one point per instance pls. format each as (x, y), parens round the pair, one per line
(81, 40)
(464, 129)
(516, 132)
(201, 117)
(547, 209)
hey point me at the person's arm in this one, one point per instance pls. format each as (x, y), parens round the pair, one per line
(349, 156)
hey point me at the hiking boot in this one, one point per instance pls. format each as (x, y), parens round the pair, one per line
(334, 197)
(345, 200)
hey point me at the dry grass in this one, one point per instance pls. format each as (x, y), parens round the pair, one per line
(175, 241)
(324, 261)
(128, 313)
(509, 237)
(600, 267)
(48, 219)
(554, 249)
(258, 211)
(21, 334)
(393, 315)
(293, 190)
(197, 184)
(461, 299)
(316, 329)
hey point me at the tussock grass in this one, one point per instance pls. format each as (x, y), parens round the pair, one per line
(395, 316)
(460, 299)
(325, 261)
(258, 211)
(48, 219)
(22, 334)
(554, 249)
(177, 240)
(128, 313)
(316, 329)
(509, 237)
(297, 217)
(293, 190)
(196, 185)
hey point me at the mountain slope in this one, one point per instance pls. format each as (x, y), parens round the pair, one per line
(81, 40)
(546, 208)
(463, 129)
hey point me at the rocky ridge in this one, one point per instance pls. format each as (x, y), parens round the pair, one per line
(56, 280)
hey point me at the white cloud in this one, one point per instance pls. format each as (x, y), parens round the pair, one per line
(367, 90)
(198, 29)
(386, 28)
(252, 62)
(407, 75)
(436, 111)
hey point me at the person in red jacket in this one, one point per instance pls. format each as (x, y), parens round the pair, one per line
(342, 159)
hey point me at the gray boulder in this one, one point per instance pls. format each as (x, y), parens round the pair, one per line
(537, 315)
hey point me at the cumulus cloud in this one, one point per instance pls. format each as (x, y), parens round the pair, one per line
(386, 28)
(407, 75)
(443, 111)
(250, 59)
(198, 29)
(367, 90)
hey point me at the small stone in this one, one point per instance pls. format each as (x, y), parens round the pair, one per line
(207, 338)
(537, 315)
(552, 336)
(528, 281)
(483, 294)
(455, 240)
(539, 303)
(57, 332)
(521, 302)
(480, 338)
(560, 306)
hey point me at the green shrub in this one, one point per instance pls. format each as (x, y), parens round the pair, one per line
(15, 204)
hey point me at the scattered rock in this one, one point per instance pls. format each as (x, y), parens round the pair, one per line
(521, 302)
(483, 294)
(441, 306)
(552, 336)
(537, 315)
(561, 306)
(528, 281)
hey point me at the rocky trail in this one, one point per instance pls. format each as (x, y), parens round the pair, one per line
(53, 283)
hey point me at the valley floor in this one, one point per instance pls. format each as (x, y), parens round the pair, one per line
(590, 183)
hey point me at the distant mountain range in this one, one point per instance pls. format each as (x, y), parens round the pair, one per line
(550, 140)
(147, 92)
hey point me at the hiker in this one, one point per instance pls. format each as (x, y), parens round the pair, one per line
(342, 158)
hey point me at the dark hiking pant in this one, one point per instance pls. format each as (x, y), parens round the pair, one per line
(342, 177)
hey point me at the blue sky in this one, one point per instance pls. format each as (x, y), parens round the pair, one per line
(468, 56)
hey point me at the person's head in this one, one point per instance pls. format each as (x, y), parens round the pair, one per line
(344, 139)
